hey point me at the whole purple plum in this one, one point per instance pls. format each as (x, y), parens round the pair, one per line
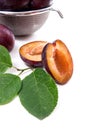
(12, 5)
(7, 38)
(38, 4)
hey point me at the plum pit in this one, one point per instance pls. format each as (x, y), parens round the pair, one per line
(31, 53)
(54, 57)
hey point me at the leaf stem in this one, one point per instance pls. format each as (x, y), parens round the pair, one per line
(22, 70)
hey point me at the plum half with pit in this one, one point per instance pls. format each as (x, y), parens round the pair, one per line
(39, 4)
(11, 5)
(54, 57)
(57, 61)
(7, 38)
(31, 53)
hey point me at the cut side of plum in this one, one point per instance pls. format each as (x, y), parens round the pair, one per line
(31, 53)
(54, 57)
(58, 61)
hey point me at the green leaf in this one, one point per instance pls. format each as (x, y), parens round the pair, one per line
(5, 59)
(9, 87)
(39, 94)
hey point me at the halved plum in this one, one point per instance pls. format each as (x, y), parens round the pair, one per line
(58, 61)
(31, 53)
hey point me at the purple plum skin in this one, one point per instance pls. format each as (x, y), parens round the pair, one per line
(21, 5)
(11, 5)
(7, 38)
(38, 4)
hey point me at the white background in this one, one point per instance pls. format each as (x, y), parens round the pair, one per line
(71, 111)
